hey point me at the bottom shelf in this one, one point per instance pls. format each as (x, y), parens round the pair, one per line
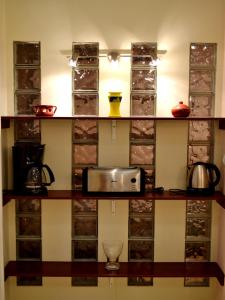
(97, 269)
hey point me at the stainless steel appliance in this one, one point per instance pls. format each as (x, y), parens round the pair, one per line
(202, 178)
(114, 180)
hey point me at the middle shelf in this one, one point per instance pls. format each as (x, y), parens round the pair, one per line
(71, 194)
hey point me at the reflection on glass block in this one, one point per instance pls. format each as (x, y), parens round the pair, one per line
(196, 281)
(27, 130)
(84, 205)
(198, 229)
(27, 53)
(84, 154)
(142, 104)
(84, 226)
(86, 49)
(85, 130)
(28, 225)
(198, 153)
(143, 79)
(140, 49)
(84, 281)
(202, 54)
(201, 105)
(28, 249)
(140, 226)
(85, 104)
(28, 206)
(142, 60)
(28, 79)
(198, 207)
(77, 178)
(86, 79)
(141, 206)
(197, 251)
(24, 103)
(200, 131)
(140, 281)
(141, 250)
(84, 250)
(29, 280)
(141, 154)
(142, 129)
(201, 80)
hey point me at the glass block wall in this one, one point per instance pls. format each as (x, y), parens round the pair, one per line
(27, 92)
(85, 154)
(200, 148)
(142, 154)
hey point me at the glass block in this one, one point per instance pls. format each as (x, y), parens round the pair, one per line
(140, 49)
(29, 280)
(202, 54)
(77, 179)
(141, 250)
(84, 206)
(141, 154)
(140, 226)
(196, 281)
(149, 179)
(85, 130)
(140, 281)
(142, 104)
(201, 80)
(27, 130)
(141, 61)
(28, 249)
(85, 250)
(26, 53)
(84, 226)
(200, 131)
(142, 130)
(144, 79)
(85, 79)
(197, 251)
(28, 79)
(28, 206)
(198, 208)
(86, 49)
(85, 104)
(84, 281)
(198, 153)
(28, 225)
(198, 229)
(25, 102)
(141, 206)
(84, 154)
(201, 105)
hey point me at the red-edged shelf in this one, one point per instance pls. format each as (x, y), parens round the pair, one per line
(70, 194)
(5, 120)
(127, 269)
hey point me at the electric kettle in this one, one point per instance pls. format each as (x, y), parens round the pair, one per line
(38, 176)
(202, 178)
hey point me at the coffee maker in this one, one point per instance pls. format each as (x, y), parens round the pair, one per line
(28, 162)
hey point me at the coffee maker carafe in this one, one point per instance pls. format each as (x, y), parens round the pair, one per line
(28, 157)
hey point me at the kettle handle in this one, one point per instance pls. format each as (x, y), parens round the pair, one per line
(51, 175)
(217, 172)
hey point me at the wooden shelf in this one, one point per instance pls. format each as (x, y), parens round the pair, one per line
(5, 120)
(97, 269)
(70, 194)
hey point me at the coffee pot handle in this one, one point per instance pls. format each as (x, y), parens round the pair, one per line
(50, 173)
(217, 172)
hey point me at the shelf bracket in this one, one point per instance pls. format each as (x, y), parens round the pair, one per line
(113, 207)
(113, 130)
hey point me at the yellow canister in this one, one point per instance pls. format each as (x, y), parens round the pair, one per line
(114, 102)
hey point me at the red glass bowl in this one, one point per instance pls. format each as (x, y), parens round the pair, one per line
(180, 110)
(44, 110)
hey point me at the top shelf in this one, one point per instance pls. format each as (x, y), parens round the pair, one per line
(5, 120)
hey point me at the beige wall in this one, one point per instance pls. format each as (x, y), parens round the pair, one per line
(114, 24)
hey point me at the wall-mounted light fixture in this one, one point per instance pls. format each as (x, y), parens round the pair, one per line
(113, 56)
